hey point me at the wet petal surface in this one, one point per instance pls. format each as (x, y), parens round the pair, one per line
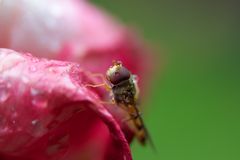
(48, 113)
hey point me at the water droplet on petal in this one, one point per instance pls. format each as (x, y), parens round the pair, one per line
(40, 102)
(34, 122)
(4, 93)
(38, 98)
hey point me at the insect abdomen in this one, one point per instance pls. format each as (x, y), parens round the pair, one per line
(141, 133)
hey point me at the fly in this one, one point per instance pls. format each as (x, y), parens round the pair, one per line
(124, 90)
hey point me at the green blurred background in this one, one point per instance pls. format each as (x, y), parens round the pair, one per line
(194, 106)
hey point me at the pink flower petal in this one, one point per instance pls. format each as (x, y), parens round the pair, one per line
(48, 113)
(71, 30)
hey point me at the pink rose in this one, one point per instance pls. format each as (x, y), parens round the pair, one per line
(70, 30)
(46, 112)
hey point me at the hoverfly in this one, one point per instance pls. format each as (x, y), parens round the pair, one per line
(125, 94)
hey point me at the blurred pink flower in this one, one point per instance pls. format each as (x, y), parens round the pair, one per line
(67, 30)
(70, 30)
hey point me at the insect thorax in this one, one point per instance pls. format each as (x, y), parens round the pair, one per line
(124, 92)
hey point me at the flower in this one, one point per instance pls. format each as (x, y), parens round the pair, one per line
(71, 30)
(48, 113)
(66, 30)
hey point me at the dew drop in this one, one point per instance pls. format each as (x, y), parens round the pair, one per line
(34, 122)
(4, 93)
(38, 98)
(40, 102)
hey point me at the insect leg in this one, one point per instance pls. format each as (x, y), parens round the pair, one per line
(100, 75)
(95, 85)
(112, 102)
(104, 84)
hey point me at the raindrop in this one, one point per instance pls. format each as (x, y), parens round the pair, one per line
(4, 93)
(34, 122)
(40, 102)
(38, 98)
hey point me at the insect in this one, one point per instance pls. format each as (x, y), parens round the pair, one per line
(125, 93)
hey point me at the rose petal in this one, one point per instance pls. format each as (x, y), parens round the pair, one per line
(50, 24)
(71, 30)
(48, 113)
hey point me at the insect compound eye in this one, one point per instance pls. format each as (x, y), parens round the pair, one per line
(117, 74)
